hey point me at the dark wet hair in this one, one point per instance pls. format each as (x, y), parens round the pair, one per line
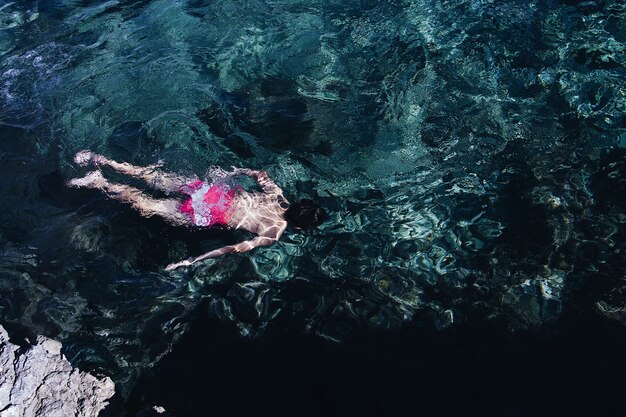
(305, 214)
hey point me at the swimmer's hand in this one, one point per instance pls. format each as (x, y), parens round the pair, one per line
(238, 248)
(191, 261)
(186, 262)
(261, 177)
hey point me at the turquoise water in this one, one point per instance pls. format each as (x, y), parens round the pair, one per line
(470, 155)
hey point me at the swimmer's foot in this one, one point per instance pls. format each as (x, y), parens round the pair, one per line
(83, 158)
(92, 180)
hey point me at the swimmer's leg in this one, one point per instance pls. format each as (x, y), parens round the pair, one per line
(146, 205)
(155, 179)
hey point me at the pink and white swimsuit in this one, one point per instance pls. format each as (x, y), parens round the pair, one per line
(209, 204)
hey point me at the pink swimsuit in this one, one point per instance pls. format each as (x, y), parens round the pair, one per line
(209, 204)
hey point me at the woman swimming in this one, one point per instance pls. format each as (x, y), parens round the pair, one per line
(266, 214)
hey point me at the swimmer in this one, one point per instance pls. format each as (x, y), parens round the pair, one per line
(266, 214)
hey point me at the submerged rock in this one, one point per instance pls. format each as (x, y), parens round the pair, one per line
(40, 382)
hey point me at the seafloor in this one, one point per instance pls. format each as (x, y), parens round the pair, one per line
(471, 155)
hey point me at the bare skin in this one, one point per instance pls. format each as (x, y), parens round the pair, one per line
(259, 213)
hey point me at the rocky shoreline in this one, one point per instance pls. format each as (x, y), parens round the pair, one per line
(40, 382)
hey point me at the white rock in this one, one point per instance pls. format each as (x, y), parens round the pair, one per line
(42, 383)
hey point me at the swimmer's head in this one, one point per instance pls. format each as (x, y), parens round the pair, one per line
(305, 214)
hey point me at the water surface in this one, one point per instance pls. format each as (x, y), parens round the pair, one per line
(470, 154)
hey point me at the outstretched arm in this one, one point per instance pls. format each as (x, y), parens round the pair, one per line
(261, 177)
(244, 246)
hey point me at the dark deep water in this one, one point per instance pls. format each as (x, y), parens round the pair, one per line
(475, 371)
(471, 155)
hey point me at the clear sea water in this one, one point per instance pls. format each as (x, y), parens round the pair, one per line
(470, 153)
